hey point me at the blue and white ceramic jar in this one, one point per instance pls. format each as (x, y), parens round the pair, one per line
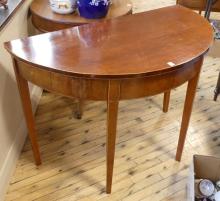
(93, 9)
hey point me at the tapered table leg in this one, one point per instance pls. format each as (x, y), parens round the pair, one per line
(217, 89)
(112, 113)
(166, 101)
(27, 108)
(79, 109)
(190, 95)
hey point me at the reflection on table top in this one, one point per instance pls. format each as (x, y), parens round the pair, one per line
(129, 46)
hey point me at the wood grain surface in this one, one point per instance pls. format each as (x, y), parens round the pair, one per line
(106, 49)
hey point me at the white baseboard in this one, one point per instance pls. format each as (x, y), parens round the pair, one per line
(9, 165)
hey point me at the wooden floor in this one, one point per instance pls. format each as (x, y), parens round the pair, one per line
(73, 151)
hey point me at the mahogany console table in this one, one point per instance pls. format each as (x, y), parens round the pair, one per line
(125, 58)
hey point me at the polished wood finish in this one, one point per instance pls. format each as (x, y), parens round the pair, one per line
(201, 5)
(112, 113)
(166, 101)
(45, 20)
(93, 51)
(198, 4)
(95, 67)
(190, 95)
(217, 88)
(27, 108)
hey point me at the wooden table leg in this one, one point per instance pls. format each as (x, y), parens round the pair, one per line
(112, 113)
(190, 95)
(27, 108)
(217, 89)
(166, 100)
(79, 109)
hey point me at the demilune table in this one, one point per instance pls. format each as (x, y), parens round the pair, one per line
(120, 59)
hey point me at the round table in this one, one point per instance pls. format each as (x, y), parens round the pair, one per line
(125, 58)
(45, 20)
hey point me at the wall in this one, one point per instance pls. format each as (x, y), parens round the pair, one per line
(12, 125)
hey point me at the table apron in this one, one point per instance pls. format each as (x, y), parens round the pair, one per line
(97, 89)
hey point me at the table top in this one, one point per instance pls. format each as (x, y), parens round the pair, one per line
(42, 9)
(126, 47)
